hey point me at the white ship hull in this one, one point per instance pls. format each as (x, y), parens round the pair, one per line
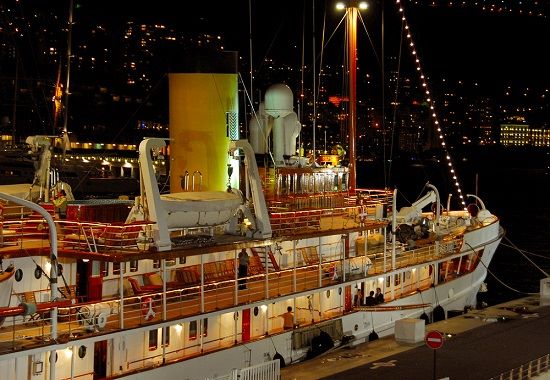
(128, 352)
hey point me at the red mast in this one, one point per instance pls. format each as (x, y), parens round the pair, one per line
(352, 11)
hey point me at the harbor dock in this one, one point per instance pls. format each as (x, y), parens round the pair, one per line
(480, 344)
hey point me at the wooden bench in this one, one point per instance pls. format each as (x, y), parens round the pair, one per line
(188, 276)
(143, 289)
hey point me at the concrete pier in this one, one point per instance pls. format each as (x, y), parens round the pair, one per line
(480, 344)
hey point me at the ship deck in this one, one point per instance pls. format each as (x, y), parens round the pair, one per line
(190, 302)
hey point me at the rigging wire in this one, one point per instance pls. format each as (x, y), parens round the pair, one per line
(139, 107)
(302, 69)
(528, 259)
(257, 120)
(6, 24)
(383, 86)
(322, 52)
(251, 56)
(68, 73)
(268, 50)
(504, 284)
(524, 251)
(314, 121)
(394, 117)
(495, 276)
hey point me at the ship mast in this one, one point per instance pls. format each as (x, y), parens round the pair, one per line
(68, 77)
(352, 8)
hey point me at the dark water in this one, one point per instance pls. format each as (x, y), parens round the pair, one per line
(514, 185)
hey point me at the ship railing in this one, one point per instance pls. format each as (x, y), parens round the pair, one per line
(101, 237)
(293, 180)
(16, 336)
(28, 325)
(266, 371)
(285, 222)
(127, 311)
(81, 236)
(529, 370)
(11, 211)
(24, 233)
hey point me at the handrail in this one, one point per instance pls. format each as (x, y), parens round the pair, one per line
(53, 260)
(526, 371)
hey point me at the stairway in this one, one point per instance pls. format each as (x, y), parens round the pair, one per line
(271, 264)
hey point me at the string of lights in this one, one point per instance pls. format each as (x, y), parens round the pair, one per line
(430, 102)
(521, 8)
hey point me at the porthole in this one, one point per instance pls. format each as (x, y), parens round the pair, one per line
(18, 275)
(37, 272)
(81, 351)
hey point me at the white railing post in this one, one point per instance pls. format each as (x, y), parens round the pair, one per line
(53, 259)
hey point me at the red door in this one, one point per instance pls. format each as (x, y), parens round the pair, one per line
(96, 271)
(246, 325)
(347, 298)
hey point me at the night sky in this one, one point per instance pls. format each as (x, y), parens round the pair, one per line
(462, 43)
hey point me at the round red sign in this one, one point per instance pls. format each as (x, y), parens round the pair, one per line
(434, 339)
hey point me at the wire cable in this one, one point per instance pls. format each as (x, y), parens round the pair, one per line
(498, 279)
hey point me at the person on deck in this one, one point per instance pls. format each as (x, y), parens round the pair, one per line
(359, 299)
(60, 203)
(379, 297)
(243, 268)
(370, 300)
(288, 319)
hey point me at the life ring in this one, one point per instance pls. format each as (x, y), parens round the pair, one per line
(147, 308)
(101, 321)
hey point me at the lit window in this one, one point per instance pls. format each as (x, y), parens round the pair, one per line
(153, 339)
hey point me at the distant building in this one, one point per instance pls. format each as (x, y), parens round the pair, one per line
(516, 134)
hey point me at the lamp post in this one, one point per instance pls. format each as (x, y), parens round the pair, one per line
(352, 8)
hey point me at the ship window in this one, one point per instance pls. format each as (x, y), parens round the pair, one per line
(193, 329)
(170, 263)
(56, 356)
(116, 268)
(81, 351)
(133, 266)
(166, 337)
(18, 275)
(99, 268)
(153, 339)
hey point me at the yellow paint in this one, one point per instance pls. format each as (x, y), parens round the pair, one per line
(198, 106)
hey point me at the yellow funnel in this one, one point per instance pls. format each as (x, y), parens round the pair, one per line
(199, 106)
